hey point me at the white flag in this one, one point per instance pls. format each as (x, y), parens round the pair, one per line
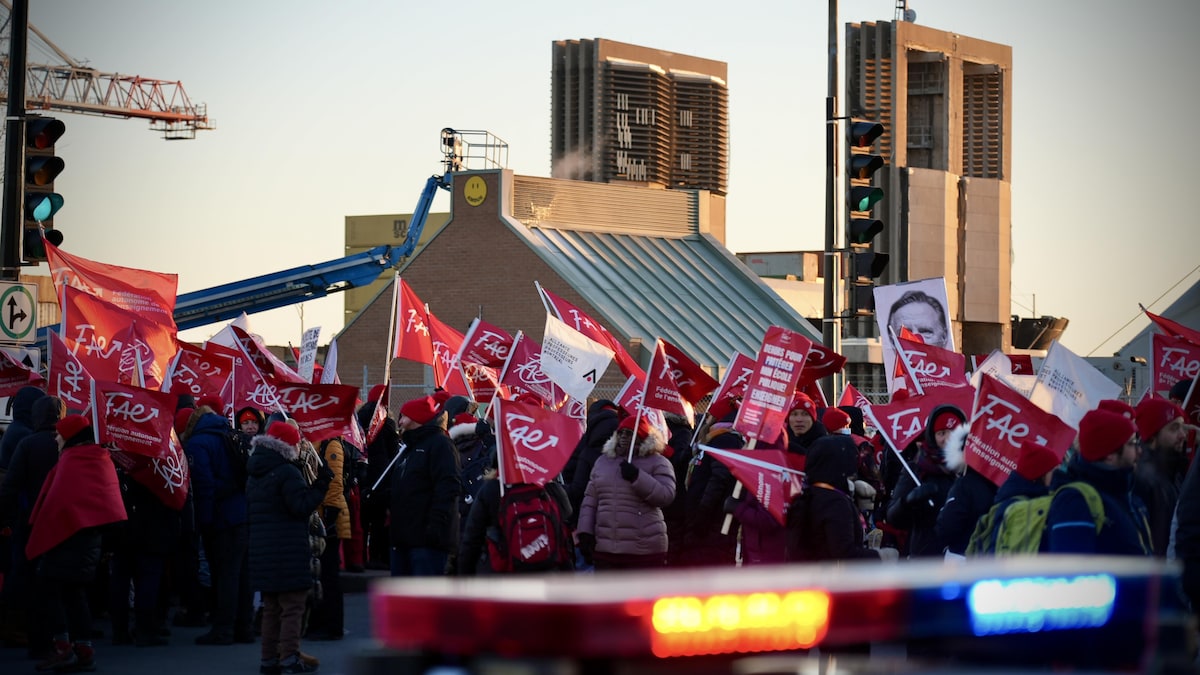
(1069, 387)
(308, 353)
(329, 373)
(572, 360)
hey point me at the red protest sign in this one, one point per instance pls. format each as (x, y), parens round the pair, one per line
(1002, 421)
(769, 391)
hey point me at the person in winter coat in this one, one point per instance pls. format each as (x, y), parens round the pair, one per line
(280, 502)
(823, 523)
(220, 512)
(80, 496)
(35, 455)
(970, 497)
(380, 453)
(1036, 467)
(709, 483)
(1108, 452)
(915, 507)
(425, 491)
(328, 617)
(679, 451)
(602, 419)
(21, 424)
(621, 523)
(1160, 470)
(475, 443)
(802, 426)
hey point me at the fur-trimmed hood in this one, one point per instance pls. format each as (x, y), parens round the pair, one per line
(462, 431)
(653, 444)
(289, 452)
(953, 452)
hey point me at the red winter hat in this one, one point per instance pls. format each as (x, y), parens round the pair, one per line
(530, 398)
(1119, 407)
(836, 421)
(420, 410)
(213, 401)
(643, 426)
(284, 432)
(1036, 461)
(945, 421)
(1103, 432)
(803, 402)
(441, 396)
(1152, 414)
(71, 425)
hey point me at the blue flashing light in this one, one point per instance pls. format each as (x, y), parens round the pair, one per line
(1036, 604)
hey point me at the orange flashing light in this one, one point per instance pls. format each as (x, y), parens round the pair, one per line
(754, 622)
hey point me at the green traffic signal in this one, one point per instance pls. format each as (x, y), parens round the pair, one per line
(863, 197)
(41, 206)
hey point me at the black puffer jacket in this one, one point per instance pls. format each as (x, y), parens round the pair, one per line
(602, 421)
(279, 503)
(36, 454)
(425, 489)
(823, 523)
(22, 422)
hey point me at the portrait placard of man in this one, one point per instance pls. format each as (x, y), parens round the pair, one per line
(921, 307)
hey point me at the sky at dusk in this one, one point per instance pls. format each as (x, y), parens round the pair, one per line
(327, 109)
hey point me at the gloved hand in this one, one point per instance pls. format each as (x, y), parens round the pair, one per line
(587, 545)
(628, 471)
(864, 495)
(731, 502)
(920, 496)
(324, 476)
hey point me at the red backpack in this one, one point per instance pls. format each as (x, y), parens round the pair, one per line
(532, 536)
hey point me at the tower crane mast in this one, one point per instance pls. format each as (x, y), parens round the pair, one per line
(70, 86)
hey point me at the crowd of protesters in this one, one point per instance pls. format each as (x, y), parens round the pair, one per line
(271, 520)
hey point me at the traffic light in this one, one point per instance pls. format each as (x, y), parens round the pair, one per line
(41, 201)
(865, 265)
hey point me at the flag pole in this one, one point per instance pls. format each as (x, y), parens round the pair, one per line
(737, 492)
(904, 358)
(494, 409)
(387, 366)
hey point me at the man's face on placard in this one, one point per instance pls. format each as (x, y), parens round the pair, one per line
(922, 319)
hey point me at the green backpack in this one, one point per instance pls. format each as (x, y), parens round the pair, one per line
(1017, 526)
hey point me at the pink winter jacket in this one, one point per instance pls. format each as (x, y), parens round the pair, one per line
(626, 518)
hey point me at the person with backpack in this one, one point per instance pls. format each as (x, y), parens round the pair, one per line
(1031, 480)
(1108, 452)
(219, 491)
(522, 530)
(971, 496)
(621, 524)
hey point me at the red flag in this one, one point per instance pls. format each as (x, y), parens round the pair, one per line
(769, 392)
(933, 367)
(267, 363)
(378, 417)
(322, 411)
(140, 424)
(1191, 406)
(534, 443)
(523, 371)
(247, 386)
(674, 383)
(99, 334)
(1174, 329)
(813, 390)
(411, 340)
(1171, 360)
(765, 473)
(629, 399)
(69, 379)
(737, 376)
(446, 344)
(146, 293)
(902, 422)
(593, 330)
(198, 371)
(486, 345)
(1003, 420)
(821, 362)
(852, 397)
(14, 375)
(484, 382)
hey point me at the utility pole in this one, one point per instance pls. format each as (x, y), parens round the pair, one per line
(831, 325)
(12, 220)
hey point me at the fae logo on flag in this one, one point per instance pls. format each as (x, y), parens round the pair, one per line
(1172, 360)
(1002, 422)
(121, 405)
(522, 432)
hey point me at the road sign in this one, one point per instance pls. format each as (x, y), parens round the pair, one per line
(18, 312)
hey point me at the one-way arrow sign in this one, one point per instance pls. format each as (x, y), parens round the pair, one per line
(18, 312)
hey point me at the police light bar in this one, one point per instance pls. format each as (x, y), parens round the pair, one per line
(986, 605)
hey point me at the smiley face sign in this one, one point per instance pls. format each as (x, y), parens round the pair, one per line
(475, 191)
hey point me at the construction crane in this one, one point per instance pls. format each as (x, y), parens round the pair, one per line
(70, 86)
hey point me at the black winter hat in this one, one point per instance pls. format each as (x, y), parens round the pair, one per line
(1179, 390)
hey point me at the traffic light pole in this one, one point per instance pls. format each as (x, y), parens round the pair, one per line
(14, 144)
(831, 323)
